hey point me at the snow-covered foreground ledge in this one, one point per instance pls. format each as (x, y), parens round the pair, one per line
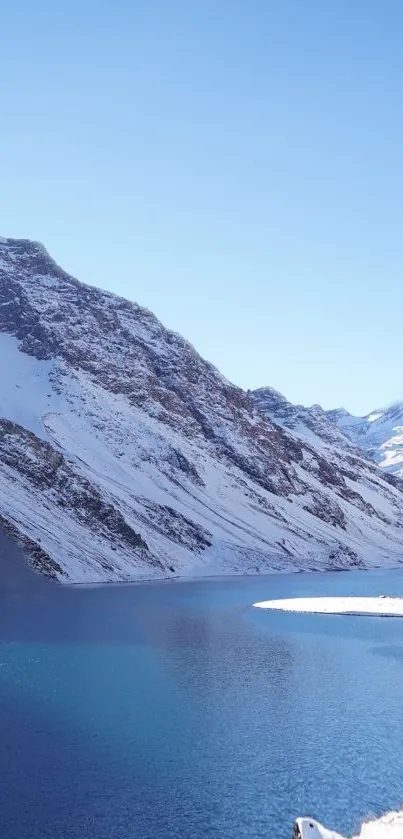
(389, 826)
(382, 606)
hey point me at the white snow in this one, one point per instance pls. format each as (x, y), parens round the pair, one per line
(389, 826)
(311, 829)
(380, 433)
(382, 606)
(26, 393)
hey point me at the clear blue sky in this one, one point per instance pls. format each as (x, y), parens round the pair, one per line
(234, 165)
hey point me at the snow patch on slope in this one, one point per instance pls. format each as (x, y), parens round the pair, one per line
(26, 392)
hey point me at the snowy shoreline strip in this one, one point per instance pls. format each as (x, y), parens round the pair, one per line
(381, 606)
(389, 826)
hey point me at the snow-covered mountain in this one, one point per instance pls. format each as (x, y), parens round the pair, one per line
(380, 434)
(311, 424)
(125, 455)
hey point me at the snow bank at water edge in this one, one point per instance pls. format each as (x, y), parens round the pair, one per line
(382, 606)
(389, 826)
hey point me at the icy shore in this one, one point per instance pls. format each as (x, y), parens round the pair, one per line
(382, 606)
(389, 826)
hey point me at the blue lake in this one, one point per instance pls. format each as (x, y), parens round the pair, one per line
(178, 710)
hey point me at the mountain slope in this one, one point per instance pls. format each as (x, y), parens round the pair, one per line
(124, 455)
(312, 423)
(380, 434)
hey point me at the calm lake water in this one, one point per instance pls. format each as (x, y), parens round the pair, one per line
(177, 710)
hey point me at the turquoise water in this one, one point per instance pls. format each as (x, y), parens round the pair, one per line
(178, 710)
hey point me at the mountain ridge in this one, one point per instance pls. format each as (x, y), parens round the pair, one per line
(144, 461)
(378, 434)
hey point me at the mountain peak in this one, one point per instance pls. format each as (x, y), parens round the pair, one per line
(124, 454)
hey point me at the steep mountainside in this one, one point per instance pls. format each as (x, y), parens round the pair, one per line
(309, 423)
(125, 455)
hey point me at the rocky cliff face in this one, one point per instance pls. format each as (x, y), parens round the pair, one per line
(312, 423)
(125, 455)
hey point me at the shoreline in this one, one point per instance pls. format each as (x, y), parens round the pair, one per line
(190, 578)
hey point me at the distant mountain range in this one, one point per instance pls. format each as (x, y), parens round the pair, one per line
(379, 434)
(124, 455)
